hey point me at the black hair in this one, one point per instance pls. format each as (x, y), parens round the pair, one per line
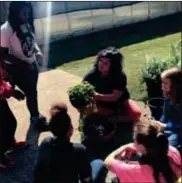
(14, 16)
(60, 121)
(116, 60)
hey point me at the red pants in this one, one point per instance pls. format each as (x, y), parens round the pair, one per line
(132, 110)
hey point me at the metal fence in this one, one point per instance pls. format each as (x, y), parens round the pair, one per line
(60, 20)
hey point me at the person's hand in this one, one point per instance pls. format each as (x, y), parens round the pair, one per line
(126, 151)
(161, 126)
(96, 95)
(40, 58)
(19, 95)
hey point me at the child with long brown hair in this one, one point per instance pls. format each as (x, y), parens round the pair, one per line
(171, 118)
(158, 162)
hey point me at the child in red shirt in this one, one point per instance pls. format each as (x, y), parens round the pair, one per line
(8, 122)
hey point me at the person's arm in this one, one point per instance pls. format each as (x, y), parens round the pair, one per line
(163, 118)
(118, 153)
(37, 49)
(124, 170)
(6, 91)
(165, 123)
(109, 97)
(39, 55)
(169, 125)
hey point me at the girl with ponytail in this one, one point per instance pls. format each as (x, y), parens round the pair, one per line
(158, 162)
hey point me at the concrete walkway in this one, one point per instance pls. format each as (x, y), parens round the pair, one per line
(52, 87)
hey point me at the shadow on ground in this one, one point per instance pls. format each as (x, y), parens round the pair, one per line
(88, 45)
(25, 161)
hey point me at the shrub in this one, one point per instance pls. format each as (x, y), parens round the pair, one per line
(81, 95)
(156, 66)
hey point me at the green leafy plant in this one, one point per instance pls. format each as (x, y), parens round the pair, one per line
(81, 95)
(155, 66)
(174, 58)
(153, 69)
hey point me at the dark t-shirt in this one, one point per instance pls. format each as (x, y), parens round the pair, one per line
(106, 85)
(61, 162)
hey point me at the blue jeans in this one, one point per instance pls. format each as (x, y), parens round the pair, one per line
(173, 138)
(98, 171)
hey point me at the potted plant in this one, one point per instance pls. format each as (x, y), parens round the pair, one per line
(151, 76)
(82, 98)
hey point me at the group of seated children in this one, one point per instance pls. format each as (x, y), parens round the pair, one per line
(155, 142)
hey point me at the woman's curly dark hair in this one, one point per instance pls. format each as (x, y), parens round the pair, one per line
(116, 60)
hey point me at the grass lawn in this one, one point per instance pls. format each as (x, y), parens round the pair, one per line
(134, 60)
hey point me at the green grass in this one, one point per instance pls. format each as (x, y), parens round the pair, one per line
(134, 60)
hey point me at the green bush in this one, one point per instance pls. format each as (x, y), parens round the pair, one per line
(155, 66)
(81, 95)
(153, 69)
(174, 58)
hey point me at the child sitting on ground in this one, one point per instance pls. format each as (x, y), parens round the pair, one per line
(158, 161)
(171, 118)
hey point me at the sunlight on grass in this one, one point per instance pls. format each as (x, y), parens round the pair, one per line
(133, 62)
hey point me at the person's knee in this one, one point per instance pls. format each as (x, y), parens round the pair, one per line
(135, 110)
(99, 170)
(98, 163)
(174, 140)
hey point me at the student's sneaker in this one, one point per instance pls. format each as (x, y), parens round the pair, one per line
(40, 123)
(18, 145)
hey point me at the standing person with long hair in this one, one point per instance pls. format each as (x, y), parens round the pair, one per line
(158, 162)
(110, 82)
(171, 118)
(18, 47)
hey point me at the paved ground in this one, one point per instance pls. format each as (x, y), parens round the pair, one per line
(52, 86)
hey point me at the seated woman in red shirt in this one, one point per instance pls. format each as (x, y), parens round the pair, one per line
(110, 82)
(8, 122)
(158, 162)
